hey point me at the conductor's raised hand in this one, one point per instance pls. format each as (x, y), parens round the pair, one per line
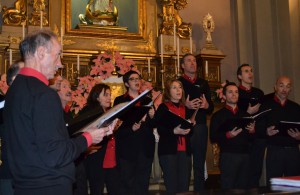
(192, 104)
(179, 131)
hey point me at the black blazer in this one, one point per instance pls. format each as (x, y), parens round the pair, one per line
(128, 142)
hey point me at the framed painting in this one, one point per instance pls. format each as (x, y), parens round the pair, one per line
(106, 18)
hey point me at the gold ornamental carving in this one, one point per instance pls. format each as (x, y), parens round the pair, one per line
(170, 16)
(108, 45)
(39, 13)
(150, 44)
(15, 15)
(208, 27)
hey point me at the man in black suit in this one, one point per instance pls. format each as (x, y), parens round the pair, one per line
(198, 96)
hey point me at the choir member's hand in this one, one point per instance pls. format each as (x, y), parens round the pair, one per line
(193, 104)
(97, 134)
(112, 127)
(253, 109)
(272, 131)
(234, 132)
(92, 149)
(119, 123)
(204, 104)
(136, 126)
(251, 127)
(179, 131)
(151, 113)
(294, 133)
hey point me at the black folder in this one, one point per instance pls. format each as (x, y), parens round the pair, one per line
(135, 115)
(242, 122)
(115, 112)
(174, 120)
(284, 126)
(196, 92)
(244, 102)
(237, 122)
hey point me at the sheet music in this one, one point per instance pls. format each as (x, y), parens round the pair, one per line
(2, 104)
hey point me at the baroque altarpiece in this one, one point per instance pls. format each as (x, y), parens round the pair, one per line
(150, 32)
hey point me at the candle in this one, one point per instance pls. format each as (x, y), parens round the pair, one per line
(148, 65)
(41, 19)
(78, 64)
(161, 49)
(178, 65)
(10, 56)
(61, 40)
(23, 30)
(191, 44)
(206, 67)
(174, 33)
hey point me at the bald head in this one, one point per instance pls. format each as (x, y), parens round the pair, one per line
(283, 87)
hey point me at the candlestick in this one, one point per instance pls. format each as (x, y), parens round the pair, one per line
(10, 56)
(61, 41)
(178, 64)
(148, 65)
(191, 44)
(41, 19)
(206, 67)
(161, 49)
(174, 32)
(23, 30)
(78, 64)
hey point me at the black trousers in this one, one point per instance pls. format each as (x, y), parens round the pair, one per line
(176, 172)
(80, 186)
(64, 188)
(282, 161)
(135, 175)
(99, 176)
(257, 154)
(199, 147)
(234, 169)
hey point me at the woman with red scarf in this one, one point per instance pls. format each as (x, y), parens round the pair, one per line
(174, 148)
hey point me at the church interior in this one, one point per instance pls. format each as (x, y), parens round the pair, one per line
(155, 34)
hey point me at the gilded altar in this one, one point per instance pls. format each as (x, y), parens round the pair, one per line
(132, 28)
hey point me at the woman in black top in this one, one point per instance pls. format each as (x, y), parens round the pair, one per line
(174, 148)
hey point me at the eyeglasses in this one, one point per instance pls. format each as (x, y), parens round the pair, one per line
(134, 79)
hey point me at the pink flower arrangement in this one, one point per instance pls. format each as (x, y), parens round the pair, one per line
(105, 65)
(80, 95)
(102, 69)
(3, 84)
(219, 92)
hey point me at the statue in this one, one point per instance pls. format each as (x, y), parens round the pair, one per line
(171, 15)
(39, 7)
(100, 12)
(208, 27)
(15, 15)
